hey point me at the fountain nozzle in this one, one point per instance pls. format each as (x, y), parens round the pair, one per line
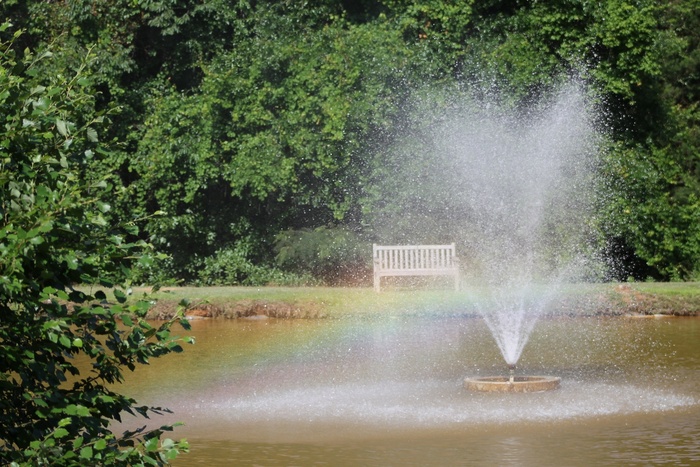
(511, 368)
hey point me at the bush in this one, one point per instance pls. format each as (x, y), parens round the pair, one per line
(229, 266)
(54, 234)
(332, 254)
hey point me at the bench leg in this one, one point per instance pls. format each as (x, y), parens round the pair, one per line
(377, 278)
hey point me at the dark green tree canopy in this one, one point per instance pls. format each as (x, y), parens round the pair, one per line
(243, 119)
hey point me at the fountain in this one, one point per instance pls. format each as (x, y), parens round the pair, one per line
(512, 383)
(519, 195)
(554, 149)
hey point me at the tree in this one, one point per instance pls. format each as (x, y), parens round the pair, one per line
(54, 234)
(655, 168)
(641, 58)
(277, 136)
(273, 115)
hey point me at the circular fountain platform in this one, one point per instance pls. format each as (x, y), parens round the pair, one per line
(516, 384)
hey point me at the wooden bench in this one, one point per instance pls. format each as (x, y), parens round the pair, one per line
(415, 260)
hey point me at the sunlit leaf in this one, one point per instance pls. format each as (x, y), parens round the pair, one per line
(62, 127)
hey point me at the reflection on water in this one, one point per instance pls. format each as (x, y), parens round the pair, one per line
(388, 392)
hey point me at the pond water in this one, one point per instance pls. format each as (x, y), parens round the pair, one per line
(388, 391)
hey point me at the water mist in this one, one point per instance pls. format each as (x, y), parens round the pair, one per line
(526, 181)
(513, 186)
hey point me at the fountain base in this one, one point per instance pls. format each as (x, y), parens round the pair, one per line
(512, 384)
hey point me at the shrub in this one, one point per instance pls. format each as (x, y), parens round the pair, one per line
(54, 233)
(334, 255)
(230, 266)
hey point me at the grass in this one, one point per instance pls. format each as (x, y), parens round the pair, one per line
(312, 301)
(334, 302)
(670, 289)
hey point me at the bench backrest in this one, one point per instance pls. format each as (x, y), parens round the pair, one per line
(414, 257)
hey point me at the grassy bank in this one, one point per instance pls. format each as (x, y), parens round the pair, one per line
(336, 302)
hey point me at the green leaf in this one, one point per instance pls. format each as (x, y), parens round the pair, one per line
(92, 135)
(120, 296)
(45, 226)
(151, 445)
(77, 442)
(65, 341)
(100, 444)
(86, 452)
(99, 220)
(102, 206)
(36, 240)
(60, 433)
(62, 127)
(40, 402)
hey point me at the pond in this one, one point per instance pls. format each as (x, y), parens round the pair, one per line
(388, 391)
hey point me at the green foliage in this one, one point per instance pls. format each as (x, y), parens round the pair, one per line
(295, 116)
(624, 49)
(332, 254)
(182, 180)
(280, 126)
(55, 233)
(679, 42)
(656, 180)
(242, 119)
(442, 26)
(612, 43)
(231, 266)
(655, 211)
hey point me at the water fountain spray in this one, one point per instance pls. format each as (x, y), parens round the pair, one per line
(512, 184)
(526, 181)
